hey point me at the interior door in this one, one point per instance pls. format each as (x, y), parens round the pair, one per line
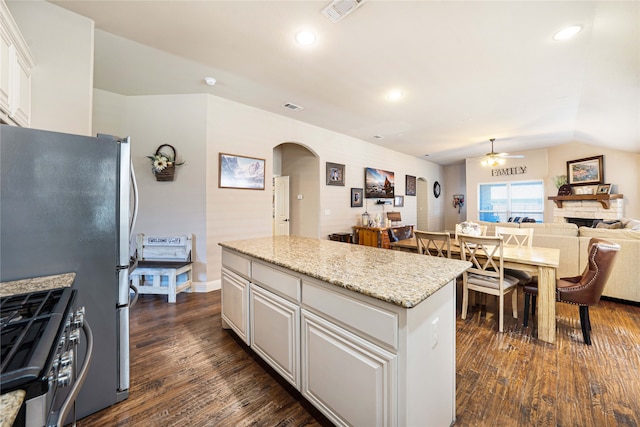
(281, 200)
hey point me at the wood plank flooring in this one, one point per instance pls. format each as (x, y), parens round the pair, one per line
(187, 371)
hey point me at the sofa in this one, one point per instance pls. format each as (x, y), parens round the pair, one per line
(573, 242)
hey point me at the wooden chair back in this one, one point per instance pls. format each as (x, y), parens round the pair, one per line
(433, 243)
(485, 255)
(516, 236)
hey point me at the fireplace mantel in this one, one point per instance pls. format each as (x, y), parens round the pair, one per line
(604, 199)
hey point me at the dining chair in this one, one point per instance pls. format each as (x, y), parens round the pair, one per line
(486, 274)
(584, 290)
(433, 243)
(516, 237)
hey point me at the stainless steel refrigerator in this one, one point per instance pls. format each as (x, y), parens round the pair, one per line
(66, 206)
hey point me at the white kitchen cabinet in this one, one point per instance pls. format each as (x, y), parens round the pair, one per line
(275, 332)
(235, 304)
(360, 360)
(16, 62)
(351, 380)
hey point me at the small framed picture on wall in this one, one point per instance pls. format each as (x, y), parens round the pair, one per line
(356, 197)
(335, 174)
(410, 185)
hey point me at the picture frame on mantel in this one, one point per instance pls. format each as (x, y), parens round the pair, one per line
(603, 189)
(587, 171)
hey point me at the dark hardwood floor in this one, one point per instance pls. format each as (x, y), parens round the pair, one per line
(187, 371)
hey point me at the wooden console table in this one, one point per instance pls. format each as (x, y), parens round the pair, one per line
(378, 237)
(604, 199)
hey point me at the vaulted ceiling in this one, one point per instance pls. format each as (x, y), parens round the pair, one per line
(469, 70)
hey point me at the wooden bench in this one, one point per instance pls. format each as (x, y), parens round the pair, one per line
(161, 256)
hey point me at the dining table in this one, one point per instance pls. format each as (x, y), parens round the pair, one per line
(537, 261)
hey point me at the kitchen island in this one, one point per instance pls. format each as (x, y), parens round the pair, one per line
(367, 335)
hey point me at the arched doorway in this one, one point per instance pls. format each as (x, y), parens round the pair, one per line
(301, 165)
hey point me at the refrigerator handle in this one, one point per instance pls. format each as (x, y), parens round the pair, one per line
(134, 210)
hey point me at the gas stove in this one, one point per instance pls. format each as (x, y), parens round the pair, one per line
(40, 332)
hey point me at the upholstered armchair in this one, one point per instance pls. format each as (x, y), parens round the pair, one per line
(584, 290)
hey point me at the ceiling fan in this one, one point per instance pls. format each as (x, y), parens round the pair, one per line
(493, 159)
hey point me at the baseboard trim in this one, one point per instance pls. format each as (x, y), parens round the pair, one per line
(213, 285)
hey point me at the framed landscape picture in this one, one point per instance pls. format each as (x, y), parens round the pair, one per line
(240, 172)
(378, 184)
(587, 171)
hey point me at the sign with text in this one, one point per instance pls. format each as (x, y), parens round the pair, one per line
(515, 170)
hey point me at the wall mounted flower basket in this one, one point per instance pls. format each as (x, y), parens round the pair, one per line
(164, 165)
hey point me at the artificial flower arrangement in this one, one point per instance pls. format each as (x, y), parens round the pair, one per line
(163, 165)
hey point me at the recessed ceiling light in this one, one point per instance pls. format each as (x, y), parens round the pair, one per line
(394, 95)
(305, 38)
(567, 33)
(210, 81)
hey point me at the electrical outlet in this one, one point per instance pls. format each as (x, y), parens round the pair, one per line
(434, 332)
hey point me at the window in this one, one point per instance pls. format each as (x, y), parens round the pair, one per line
(499, 202)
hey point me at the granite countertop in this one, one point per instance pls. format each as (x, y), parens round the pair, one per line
(35, 284)
(10, 404)
(397, 277)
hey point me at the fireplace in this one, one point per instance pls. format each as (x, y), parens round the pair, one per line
(584, 210)
(582, 222)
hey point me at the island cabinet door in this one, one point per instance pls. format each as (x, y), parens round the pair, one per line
(235, 304)
(351, 380)
(275, 332)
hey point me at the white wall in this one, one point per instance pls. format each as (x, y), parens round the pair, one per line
(535, 163)
(454, 183)
(166, 208)
(239, 214)
(62, 80)
(202, 126)
(620, 169)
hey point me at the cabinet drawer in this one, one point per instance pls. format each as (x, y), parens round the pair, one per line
(354, 314)
(281, 283)
(237, 263)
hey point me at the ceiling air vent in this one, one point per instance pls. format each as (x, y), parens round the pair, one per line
(338, 9)
(292, 107)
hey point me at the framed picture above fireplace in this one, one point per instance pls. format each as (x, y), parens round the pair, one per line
(587, 171)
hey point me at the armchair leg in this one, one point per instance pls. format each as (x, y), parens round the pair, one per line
(527, 299)
(533, 304)
(585, 324)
